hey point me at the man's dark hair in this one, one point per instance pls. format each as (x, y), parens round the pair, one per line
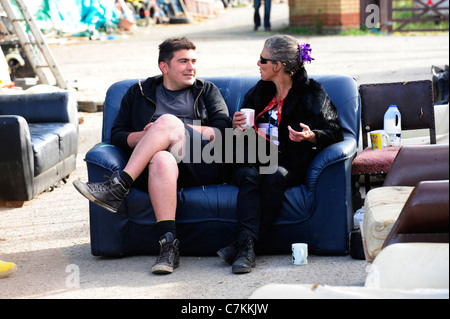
(172, 45)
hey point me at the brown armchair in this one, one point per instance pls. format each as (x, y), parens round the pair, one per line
(417, 163)
(425, 216)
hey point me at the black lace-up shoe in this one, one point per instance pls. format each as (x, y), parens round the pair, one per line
(229, 253)
(169, 255)
(246, 258)
(108, 195)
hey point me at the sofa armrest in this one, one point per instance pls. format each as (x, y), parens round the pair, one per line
(16, 162)
(333, 154)
(107, 156)
(425, 216)
(417, 163)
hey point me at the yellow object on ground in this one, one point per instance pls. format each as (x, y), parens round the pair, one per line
(7, 269)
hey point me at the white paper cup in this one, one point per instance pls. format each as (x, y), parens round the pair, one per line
(250, 117)
(300, 254)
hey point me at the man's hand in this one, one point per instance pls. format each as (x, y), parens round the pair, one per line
(134, 138)
(147, 127)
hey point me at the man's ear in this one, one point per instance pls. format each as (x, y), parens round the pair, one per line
(163, 67)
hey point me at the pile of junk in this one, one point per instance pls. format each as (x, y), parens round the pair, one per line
(93, 19)
(78, 17)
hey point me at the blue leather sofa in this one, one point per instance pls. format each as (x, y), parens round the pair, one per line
(38, 143)
(318, 213)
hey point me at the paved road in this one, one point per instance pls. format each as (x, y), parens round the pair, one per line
(228, 45)
(49, 237)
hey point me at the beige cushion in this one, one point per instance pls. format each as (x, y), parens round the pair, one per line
(311, 291)
(410, 266)
(382, 207)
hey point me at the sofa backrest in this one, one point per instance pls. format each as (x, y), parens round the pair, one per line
(343, 91)
(41, 107)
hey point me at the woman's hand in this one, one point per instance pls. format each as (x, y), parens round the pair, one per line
(239, 119)
(305, 135)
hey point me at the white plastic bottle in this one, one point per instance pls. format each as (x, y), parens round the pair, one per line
(358, 217)
(393, 125)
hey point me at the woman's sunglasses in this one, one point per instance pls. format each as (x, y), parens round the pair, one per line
(264, 60)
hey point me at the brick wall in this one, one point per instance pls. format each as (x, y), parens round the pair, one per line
(329, 16)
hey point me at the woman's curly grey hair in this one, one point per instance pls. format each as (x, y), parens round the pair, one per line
(284, 48)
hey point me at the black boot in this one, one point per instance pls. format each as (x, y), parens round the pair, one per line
(229, 253)
(169, 255)
(246, 258)
(108, 195)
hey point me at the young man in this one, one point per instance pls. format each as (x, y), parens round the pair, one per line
(158, 124)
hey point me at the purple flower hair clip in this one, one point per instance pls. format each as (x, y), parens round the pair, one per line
(305, 53)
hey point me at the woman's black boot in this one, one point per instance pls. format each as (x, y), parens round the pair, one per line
(245, 259)
(229, 253)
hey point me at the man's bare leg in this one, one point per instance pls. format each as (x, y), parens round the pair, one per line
(162, 188)
(166, 132)
(162, 185)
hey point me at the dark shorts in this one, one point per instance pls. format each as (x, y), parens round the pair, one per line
(193, 170)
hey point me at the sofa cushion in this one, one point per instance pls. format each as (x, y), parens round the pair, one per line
(210, 212)
(323, 291)
(410, 266)
(374, 161)
(382, 207)
(52, 143)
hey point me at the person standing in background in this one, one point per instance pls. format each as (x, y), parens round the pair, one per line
(257, 18)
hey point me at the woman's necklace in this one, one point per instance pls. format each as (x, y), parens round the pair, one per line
(280, 96)
(280, 99)
(278, 106)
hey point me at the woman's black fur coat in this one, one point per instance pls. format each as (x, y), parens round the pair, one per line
(307, 103)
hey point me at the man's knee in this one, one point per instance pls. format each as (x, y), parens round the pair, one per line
(172, 128)
(162, 163)
(169, 121)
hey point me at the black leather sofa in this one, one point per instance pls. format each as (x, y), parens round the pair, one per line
(38, 143)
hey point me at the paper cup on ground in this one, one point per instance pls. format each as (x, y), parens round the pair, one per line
(300, 254)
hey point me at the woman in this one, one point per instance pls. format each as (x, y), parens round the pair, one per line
(296, 117)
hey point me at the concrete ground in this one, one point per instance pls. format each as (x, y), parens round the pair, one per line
(48, 238)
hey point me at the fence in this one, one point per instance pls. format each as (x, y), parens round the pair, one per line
(420, 15)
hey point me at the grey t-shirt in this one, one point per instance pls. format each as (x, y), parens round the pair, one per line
(179, 103)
